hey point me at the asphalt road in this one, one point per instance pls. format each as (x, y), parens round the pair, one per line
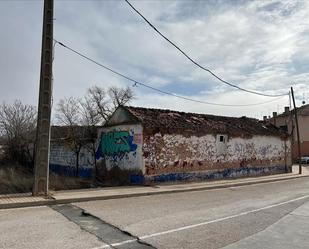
(202, 219)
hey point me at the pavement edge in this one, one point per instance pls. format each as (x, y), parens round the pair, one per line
(55, 201)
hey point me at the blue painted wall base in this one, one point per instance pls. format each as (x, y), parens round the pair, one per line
(216, 175)
(65, 170)
(137, 179)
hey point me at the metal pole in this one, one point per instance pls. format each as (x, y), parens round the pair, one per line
(297, 131)
(41, 169)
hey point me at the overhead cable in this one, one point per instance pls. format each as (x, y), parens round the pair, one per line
(196, 63)
(135, 82)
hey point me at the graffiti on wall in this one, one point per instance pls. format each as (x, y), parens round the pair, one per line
(116, 144)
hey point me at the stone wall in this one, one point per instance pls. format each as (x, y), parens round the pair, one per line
(179, 153)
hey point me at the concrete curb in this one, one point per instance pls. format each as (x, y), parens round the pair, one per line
(55, 201)
(159, 192)
(27, 204)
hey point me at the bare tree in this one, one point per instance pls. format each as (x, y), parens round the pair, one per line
(88, 112)
(92, 110)
(120, 96)
(90, 119)
(68, 113)
(17, 130)
(103, 103)
(99, 100)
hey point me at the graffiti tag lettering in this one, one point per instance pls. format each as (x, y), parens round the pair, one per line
(116, 144)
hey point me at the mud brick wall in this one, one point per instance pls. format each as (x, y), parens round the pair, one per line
(167, 153)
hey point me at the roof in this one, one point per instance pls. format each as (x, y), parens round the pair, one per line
(302, 110)
(169, 121)
(65, 132)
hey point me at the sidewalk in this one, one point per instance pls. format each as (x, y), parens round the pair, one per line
(61, 197)
(289, 232)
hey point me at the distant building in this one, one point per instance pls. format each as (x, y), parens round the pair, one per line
(164, 145)
(286, 122)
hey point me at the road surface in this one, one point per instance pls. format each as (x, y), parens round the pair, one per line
(269, 215)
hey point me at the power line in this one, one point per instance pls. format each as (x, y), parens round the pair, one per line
(156, 89)
(196, 63)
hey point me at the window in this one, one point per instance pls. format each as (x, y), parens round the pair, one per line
(221, 144)
(283, 127)
(221, 138)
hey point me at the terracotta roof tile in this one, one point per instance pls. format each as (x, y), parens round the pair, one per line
(64, 132)
(172, 121)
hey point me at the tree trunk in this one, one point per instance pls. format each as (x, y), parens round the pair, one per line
(95, 161)
(77, 164)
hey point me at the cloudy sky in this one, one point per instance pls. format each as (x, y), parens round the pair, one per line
(259, 45)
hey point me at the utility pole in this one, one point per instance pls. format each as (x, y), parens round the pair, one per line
(41, 169)
(292, 125)
(297, 131)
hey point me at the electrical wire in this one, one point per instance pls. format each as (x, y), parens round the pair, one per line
(196, 63)
(156, 89)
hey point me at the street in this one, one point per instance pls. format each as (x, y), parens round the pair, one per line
(256, 216)
(154, 124)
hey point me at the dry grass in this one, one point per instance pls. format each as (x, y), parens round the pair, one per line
(57, 182)
(15, 180)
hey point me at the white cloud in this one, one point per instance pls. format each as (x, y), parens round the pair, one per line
(259, 45)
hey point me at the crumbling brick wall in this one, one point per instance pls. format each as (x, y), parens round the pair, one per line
(167, 153)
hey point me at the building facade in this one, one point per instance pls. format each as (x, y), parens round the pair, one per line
(286, 122)
(155, 145)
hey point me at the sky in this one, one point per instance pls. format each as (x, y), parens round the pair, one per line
(257, 45)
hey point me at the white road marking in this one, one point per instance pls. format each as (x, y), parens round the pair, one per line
(201, 224)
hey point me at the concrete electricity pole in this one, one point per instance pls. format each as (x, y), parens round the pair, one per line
(41, 169)
(297, 131)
